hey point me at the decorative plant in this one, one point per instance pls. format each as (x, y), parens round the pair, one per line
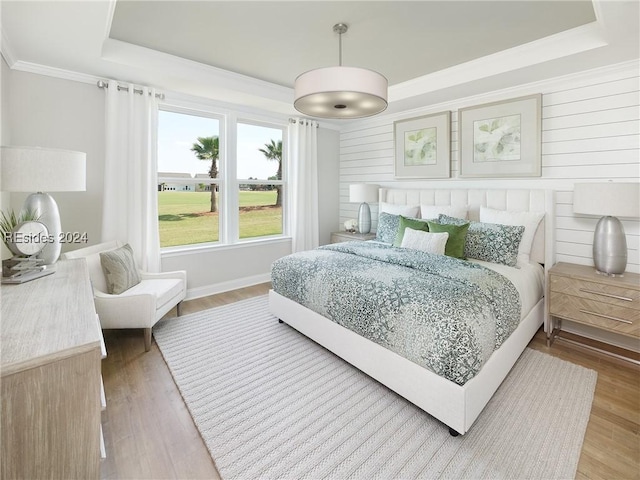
(350, 225)
(9, 221)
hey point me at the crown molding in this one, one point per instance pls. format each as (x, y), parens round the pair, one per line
(572, 80)
(177, 69)
(6, 51)
(55, 72)
(577, 40)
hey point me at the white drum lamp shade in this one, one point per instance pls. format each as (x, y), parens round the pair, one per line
(608, 200)
(29, 169)
(363, 193)
(340, 92)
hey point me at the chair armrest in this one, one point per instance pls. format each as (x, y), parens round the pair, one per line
(178, 274)
(125, 311)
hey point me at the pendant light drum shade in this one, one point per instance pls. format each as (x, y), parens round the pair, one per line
(340, 92)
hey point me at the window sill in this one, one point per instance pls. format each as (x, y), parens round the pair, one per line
(179, 251)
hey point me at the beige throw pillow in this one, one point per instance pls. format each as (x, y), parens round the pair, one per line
(119, 269)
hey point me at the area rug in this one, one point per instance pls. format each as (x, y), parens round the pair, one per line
(272, 404)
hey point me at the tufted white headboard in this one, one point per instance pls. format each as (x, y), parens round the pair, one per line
(542, 250)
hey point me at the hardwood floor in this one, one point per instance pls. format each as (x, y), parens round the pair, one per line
(149, 432)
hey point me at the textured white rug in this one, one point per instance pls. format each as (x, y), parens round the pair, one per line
(271, 403)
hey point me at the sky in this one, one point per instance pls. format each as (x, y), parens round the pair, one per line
(177, 132)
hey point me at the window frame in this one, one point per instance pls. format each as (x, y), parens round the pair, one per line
(243, 181)
(227, 181)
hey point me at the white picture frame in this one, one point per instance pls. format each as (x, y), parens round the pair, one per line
(501, 139)
(422, 146)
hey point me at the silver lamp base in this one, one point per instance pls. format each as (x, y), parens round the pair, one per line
(47, 208)
(610, 247)
(364, 218)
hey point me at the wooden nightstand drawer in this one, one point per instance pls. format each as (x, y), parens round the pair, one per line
(599, 292)
(625, 321)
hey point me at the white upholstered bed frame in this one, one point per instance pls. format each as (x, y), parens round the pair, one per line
(455, 405)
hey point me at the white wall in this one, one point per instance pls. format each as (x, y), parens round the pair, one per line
(5, 138)
(328, 191)
(51, 112)
(55, 113)
(590, 132)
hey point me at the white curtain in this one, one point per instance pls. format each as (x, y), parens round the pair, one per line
(130, 210)
(303, 171)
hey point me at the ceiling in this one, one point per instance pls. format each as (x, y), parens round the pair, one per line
(277, 41)
(250, 52)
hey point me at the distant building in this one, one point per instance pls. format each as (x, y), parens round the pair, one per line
(205, 186)
(169, 181)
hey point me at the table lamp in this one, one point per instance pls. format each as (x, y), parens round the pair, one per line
(609, 200)
(363, 192)
(29, 169)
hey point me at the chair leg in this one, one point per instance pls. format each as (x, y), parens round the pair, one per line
(147, 339)
(179, 308)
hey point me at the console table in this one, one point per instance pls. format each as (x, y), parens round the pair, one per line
(50, 340)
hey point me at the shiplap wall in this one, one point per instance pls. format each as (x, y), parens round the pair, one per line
(590, 132)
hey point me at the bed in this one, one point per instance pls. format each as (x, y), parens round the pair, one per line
(455, 395)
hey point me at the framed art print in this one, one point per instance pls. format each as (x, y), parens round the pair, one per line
(422, 146)
(501, 139)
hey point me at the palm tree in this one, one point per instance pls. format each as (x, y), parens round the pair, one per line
(273, 151)
(207, 149)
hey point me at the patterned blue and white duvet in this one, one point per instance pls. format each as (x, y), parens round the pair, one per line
(445, 314)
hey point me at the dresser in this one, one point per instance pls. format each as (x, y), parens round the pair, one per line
(579, 294)
(51, 382)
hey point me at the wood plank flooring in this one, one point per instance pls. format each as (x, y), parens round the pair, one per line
(149, 432)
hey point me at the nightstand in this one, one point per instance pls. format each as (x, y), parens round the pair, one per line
(577, 293)
(343, 236)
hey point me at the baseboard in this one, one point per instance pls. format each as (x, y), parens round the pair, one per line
(205, 291)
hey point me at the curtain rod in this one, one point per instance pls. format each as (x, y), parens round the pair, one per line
(304, 122)
(103, 84)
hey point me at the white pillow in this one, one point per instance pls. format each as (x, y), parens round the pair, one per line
(529, 220)
(426, 241)
(404, 210)
(433, 211)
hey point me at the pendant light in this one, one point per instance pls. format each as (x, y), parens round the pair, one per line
(340, 92)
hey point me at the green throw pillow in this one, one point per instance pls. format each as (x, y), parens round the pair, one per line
(119, 269)
(413, 223)
(457, 237)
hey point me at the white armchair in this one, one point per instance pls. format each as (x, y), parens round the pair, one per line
(142, 305)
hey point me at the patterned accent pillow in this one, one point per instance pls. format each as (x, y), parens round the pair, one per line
(425, 241)
(388, 224)
(405, 223)
(529, 220)
(457, 237)
(449, 220)
(119, 269)
(490, 242)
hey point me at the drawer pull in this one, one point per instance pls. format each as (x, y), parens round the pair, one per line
(607, 316)
(626, 299)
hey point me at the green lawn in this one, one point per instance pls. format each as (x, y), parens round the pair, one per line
(184, 217)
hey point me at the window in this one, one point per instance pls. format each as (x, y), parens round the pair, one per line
(188, 178)
(208, 193)
(260, 185)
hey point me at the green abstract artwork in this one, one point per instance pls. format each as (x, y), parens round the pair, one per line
(497, 139)
(420, 147)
